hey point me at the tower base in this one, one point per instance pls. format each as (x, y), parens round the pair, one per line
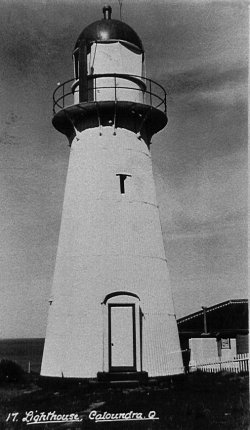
(122, 376)
(106, 380)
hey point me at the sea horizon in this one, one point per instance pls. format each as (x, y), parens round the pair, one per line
(27, 352)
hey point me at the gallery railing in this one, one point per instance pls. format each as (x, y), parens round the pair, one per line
(149, 92)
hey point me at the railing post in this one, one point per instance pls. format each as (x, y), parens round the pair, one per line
(115, 87)
(150, 92)
(63, 95)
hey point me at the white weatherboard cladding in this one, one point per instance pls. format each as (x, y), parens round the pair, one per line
(205, 350)
(109, 242)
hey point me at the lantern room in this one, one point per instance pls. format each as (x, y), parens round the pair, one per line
(108, 62)
(109, 86)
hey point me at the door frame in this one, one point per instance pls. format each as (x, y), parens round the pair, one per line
(121, 368)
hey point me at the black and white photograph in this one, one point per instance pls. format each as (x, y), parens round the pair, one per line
(123, 214)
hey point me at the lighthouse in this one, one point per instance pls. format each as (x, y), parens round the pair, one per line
(111, 313)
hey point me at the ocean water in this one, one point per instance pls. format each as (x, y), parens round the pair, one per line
(23, 352)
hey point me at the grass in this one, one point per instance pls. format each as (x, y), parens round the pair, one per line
(197, 401)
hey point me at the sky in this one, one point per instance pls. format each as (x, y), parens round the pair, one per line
(196, 49)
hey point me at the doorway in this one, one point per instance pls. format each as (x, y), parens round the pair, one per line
(122, 337)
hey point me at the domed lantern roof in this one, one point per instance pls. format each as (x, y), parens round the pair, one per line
(108, 29)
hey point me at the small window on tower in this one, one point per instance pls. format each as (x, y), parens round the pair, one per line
(123, 178)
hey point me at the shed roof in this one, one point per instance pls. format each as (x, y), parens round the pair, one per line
(229, 317)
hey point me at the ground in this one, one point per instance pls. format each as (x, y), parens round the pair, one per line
(196, 401)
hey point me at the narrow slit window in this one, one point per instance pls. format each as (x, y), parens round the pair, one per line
(122, 181)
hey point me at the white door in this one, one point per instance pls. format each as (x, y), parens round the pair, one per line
(122, 354)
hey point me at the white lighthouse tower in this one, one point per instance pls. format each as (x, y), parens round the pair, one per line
(111, 312)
